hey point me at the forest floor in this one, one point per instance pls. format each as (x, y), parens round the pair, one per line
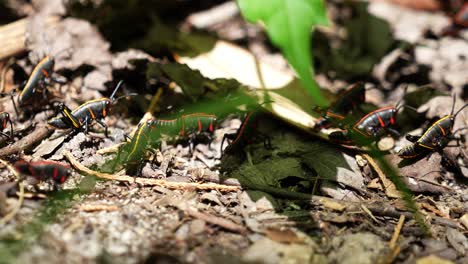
(303, 199)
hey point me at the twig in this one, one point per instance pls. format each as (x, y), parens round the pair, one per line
(15, 210)
(215, 220)
(395, 249)
(146, 181)
(11, 169)
(98, 207)
(377, 208)
(397, 231)
(367, 211)
(28, 141)
(155, 100)
(389, 187)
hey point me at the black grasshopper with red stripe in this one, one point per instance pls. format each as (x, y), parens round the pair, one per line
(149, 135)
(4, 120)
(44, 170)
(247, 133)
(435, 138)
(346, 102)
(372, 126)
(83, 115)
(378, 122)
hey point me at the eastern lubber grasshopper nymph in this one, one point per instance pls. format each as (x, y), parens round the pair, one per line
(347, 101)
(371, 126)
(150, 133)
(83, 115)
(436, 137)
(44, 170)
(35, 87)
(137, 146)
(377, 122)
(36, 82)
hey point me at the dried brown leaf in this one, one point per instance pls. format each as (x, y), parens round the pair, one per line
(286, 236)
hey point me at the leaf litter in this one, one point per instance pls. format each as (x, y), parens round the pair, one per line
(277, 216)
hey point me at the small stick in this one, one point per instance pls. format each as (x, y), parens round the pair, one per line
(155, 100)
(147, 181)
(26, 142)
(367, 211)
(98, 207)
(15, 210)
(395, 249)
(215, 220)
(397, 231)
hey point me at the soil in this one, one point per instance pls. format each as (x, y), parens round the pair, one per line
(279, 194)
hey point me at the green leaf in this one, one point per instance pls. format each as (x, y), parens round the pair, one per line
(193, 84)
(288, 24)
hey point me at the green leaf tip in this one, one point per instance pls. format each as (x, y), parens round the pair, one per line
(288, 24)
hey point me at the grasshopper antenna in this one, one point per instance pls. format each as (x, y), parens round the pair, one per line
(12, 99)
(399, 104)
(453, 105)
(11, 129)
(125, 96)
(459, 110)
(115, 90)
